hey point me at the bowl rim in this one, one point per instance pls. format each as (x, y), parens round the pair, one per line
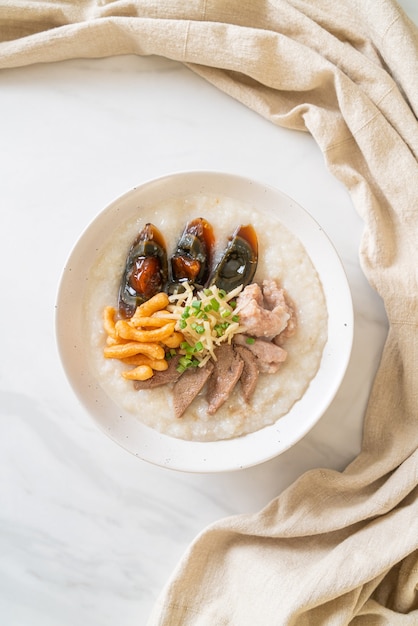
(246, 450)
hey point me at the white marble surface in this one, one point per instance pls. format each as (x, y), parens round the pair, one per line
(88, 533)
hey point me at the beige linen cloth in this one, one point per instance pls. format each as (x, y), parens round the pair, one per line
(336, 547)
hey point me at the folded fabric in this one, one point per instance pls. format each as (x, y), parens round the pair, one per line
(335, 547)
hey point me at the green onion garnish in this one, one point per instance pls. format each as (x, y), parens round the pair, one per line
(215, 304)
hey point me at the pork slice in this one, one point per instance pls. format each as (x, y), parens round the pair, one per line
(188, 386)
(249, 376)
(226, 373)
(170, 375)
(278, 301)
(263, 312)
(269, 355)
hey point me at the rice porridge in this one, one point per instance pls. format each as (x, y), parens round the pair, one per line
(281, 257)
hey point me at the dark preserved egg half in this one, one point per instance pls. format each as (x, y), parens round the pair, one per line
(192, 258)
(238, 263)
(145, 272)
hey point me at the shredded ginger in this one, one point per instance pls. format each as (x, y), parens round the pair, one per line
(206, 318)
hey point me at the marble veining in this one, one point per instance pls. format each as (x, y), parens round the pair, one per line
(89, 534)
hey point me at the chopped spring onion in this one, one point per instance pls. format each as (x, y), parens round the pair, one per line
(206, 318)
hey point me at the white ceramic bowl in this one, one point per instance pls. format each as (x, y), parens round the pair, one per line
(231, 454)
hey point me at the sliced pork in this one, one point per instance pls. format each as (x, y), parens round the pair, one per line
(190, 383)
(264, 312)
(277, 300)
(269, 355)
(226, 373)
(249, 376)
(170, 375)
